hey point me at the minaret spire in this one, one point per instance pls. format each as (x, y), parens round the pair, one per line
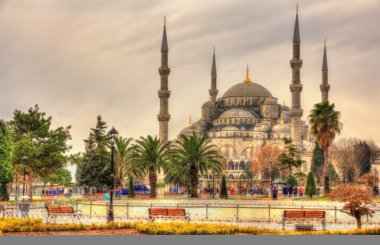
(296, 87)
(325, 87)
(213, 91)
(164, 93)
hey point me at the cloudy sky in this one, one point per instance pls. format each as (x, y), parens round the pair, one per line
(81, 58)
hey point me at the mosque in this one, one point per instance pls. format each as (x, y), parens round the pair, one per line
(247, 116)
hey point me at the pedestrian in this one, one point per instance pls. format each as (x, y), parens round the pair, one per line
(274, 193)
(300, 191)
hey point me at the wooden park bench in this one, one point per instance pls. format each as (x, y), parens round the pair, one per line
(168, 213)
(304, 218)
(63, 211)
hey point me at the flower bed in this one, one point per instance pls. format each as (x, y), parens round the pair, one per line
(9, 225)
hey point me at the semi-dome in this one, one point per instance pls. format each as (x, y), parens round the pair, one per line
(237, 113)
(247, 89)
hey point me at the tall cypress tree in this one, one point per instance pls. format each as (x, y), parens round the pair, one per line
(223, 189)
(364, 157)
(317, 162)
(310, 189)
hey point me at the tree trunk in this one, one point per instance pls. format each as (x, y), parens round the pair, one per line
(30, 180)
(326, 181)
(194, 181)
(152, 182)
(358, 220)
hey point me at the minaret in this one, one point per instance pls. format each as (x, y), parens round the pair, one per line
(325, 87)
(296, 87)
(164, 93)
(213, 91)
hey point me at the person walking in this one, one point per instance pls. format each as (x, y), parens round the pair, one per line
(274, 193)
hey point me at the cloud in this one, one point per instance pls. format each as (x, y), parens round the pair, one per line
(78, 59)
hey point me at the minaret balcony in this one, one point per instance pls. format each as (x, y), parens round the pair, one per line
(163, 117)
(163, 94)
(296, 112)
(295, 87)
(164, 70)
(296, 63)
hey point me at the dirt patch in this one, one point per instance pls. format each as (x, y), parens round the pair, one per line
(117, 232)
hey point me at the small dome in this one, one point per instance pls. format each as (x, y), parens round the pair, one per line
(237, 113)
(281, 128)
(245, 89)
(208, 104)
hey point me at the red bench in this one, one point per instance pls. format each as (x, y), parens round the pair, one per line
(58, 211)
(300, 217)
(168, 213)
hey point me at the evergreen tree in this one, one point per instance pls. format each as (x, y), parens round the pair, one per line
(364, 157)
(317, 162)
(95, 171)
(334, 176)
(310, 189)
(131, 191)
(44, 147)
(290, 180)
(291, 157)
(6, 151)
(223, 189)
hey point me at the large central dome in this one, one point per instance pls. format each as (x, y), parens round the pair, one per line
(247, 89)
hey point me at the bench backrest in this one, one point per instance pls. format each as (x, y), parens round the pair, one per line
(294, 214)
(158, 212)
(317, 214)
(310, 214)
(53, 209)
(67, 209)
(176, 212)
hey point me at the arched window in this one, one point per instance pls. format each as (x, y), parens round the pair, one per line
(242, 165)
(230, 176)
(230, 165)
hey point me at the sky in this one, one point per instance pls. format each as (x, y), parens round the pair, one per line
(77, 59)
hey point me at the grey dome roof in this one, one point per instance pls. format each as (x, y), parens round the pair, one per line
(281, 128)
(247, 90)
(237, 113)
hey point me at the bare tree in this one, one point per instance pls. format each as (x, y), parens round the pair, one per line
(344, 153)
(374, 149)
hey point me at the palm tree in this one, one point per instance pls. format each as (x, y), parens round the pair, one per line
(151, 156)
(196, 155)
(325, 125)
(122, 151)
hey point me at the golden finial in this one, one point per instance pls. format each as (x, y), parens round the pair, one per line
(164, 20)
(297, 9)
(190, 123)
(214, 49)
(281, 119)
(247, 78)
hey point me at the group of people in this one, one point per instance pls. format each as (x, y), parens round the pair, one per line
(66, 192)
(289, 191)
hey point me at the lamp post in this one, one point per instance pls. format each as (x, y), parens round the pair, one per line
(112, 133)
(25, 160)
(213, 184)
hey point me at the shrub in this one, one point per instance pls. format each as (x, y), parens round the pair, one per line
(223, 189)
(310, 189)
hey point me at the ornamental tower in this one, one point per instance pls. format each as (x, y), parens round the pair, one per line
(325, 87)
(213, 91)
(164, 93)
(296, 87)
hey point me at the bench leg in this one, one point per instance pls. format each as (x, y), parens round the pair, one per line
(283, 224)
(323, 225)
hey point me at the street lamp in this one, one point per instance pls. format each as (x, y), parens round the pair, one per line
(25, 160)
(112, 133)
(213, 184)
